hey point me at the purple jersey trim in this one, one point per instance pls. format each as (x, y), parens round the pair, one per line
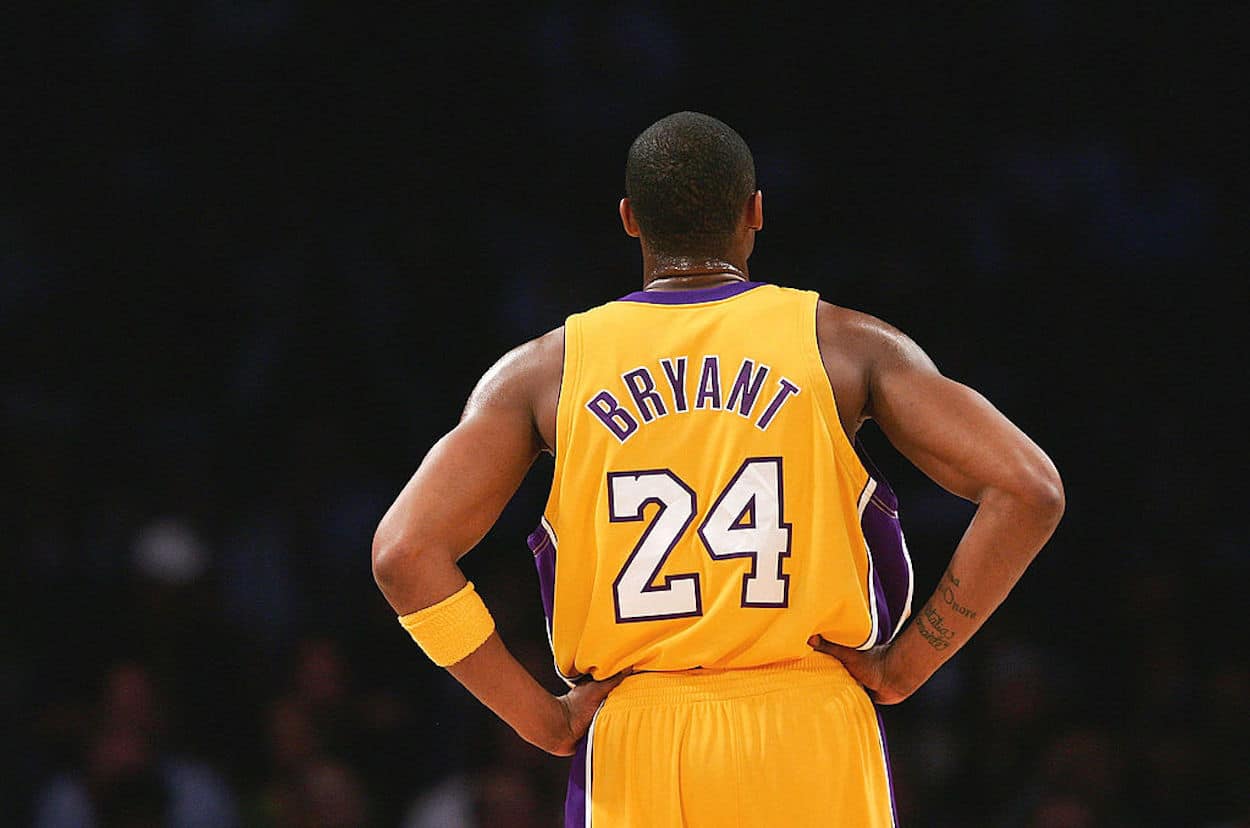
(891, 573)
(544, 551)
(689, 297)
(543, 545)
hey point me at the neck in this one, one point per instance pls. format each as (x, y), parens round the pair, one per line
(690, 272)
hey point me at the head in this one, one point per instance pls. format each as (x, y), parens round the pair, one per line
(690, 190)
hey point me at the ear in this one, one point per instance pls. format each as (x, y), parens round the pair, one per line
(755, 211)
(627, 219)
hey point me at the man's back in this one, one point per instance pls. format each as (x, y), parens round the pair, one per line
(702, 472)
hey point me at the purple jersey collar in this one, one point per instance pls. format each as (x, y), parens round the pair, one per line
(689, 297)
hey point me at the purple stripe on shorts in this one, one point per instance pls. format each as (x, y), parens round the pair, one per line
(891, 574)
(889, 771)
(689, 297)
(575, 815)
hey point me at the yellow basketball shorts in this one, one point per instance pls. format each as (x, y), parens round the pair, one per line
(793, 744)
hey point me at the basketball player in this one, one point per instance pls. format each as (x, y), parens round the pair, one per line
(720, 567)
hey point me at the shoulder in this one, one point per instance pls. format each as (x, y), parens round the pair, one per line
(535, 355)
(853, 328)
(520, 374)
(861, 338)
(857, 350)
(524, 385)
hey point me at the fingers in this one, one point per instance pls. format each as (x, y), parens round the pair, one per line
(856, 663)
(820, 645)
(611, 682)
(600, 689)
(839, 652)
(595, 691)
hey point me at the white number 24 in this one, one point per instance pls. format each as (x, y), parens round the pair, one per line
(747, 520)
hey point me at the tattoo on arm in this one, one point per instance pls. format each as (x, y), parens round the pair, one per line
(935, 634)
(933, 621)
(948, 593)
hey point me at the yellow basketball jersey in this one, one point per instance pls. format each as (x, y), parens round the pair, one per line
(707, 509)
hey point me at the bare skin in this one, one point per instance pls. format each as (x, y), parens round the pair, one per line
(948, 430)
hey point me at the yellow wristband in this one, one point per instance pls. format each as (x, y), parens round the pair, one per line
(451, 629)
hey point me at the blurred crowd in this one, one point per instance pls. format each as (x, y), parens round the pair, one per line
(254, 255)
(149, 703)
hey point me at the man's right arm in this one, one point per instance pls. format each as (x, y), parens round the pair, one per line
(956, 437)
(447, 507)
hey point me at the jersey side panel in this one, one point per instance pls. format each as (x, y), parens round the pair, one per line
(885, 565)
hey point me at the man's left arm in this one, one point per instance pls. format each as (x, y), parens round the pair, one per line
(956, 437)
(445, 510)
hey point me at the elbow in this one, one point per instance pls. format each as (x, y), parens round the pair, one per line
(390, 556)
(407, 562)
(1041, 489)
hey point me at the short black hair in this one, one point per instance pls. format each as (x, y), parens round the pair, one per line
(688, 177)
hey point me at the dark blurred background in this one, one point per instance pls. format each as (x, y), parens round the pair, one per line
(255, 253)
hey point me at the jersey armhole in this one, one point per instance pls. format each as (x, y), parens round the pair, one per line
(569, 370)
(881, 530)
(823, 389)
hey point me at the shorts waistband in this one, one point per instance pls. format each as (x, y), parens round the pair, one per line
(704, 684)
